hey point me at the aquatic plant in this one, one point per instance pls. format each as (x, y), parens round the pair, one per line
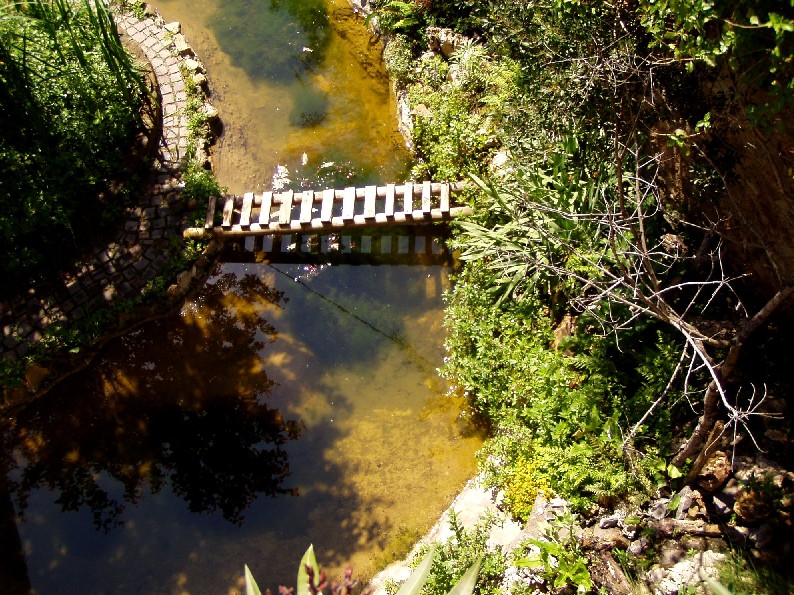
(312, 581)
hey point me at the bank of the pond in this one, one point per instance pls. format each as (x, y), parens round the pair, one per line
(103, 288)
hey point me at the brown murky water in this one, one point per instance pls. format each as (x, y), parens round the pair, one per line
(283, 94)
(286, 404)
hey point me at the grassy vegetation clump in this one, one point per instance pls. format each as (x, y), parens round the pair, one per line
(70, 105)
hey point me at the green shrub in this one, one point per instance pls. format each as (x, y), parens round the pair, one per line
(398, 58)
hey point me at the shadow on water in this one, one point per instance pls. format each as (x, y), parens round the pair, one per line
(182, 406)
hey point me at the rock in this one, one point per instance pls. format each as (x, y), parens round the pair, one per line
(172, 293)
(693, 543)
(422, 111)
(684, 498)
(500, 161)
(731, 489)
(637, 547)
(183, 280)
(444, 41)
(181, 45)
(173, 27)
(671, 553)
(723, 504)
(609, 522)
(631, 532)
(752, 506)
(686, 573)
(199, 79)
(697, 528)
(608, 574)
(737, 534)
(210, 111)
(599, 539)
(715, 472)
(761, 536)
(776, 436)
(193, 65)
(658, 510)
(558, 504)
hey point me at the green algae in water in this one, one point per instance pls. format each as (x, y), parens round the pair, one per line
(310, 108)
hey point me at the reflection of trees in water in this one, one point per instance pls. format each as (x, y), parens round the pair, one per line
(276, 42)
(191, 416)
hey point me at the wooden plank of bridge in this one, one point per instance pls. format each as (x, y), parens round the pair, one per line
(408, 199)
(245, 214)
(426, 195)
(209, 222)
(388, 207)
(327, 209)
(443, 198)
(349, 204)
(370, 195)
(285, 212)
(228, 211)
(306, 207)
(264, 210)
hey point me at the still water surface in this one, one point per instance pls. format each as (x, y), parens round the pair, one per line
(285, 404)
(295, 81)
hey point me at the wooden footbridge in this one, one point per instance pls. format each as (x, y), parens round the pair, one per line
(330, 210)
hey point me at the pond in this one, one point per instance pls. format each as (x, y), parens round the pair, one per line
(287, 403)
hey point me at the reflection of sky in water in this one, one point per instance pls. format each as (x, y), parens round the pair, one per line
(179, 412)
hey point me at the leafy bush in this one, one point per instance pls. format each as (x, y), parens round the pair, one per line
(754, 38)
